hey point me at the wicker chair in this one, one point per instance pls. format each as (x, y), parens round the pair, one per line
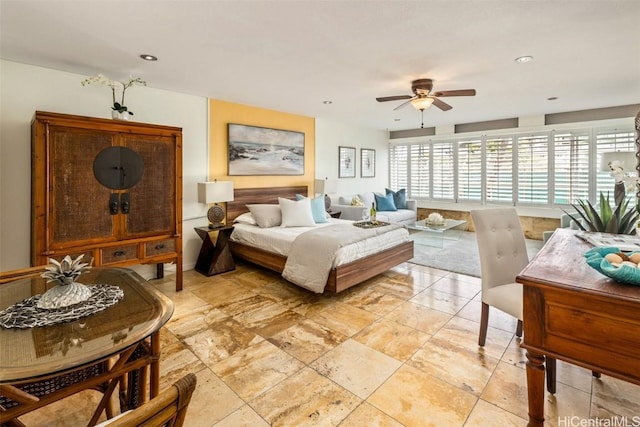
(169, 408)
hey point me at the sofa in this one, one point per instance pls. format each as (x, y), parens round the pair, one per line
(406, 215)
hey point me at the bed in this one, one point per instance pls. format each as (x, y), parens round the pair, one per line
(342, 276)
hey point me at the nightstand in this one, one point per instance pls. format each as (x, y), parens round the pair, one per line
(335, 214)
(214, 259)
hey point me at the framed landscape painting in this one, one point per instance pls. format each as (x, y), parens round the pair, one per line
(347, 162)
(256, 150)
(367, 163)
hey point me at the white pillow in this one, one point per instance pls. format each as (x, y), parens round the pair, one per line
(266, 215)
(245, 218)
(367, 199)
(296, 213)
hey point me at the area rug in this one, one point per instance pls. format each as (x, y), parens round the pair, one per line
(459, 256)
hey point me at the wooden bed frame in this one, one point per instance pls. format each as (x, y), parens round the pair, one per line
(341, 277)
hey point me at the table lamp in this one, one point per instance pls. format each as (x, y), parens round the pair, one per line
(326, 186)
(215, 192)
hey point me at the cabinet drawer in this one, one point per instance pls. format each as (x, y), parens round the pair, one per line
(117, 254)
(159, 247)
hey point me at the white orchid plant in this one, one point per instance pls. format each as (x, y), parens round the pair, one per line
(115, 85)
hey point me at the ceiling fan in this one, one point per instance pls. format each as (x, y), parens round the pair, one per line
(423, 96)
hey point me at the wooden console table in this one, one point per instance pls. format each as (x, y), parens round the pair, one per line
(214, 259)
(574, 313)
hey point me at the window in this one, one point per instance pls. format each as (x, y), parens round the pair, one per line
(533, 169)
(571, 167)
(499, 170)
(541, 169)
(443, 171)
(470, 170)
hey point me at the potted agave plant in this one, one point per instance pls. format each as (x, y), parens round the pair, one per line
(619, 220)
(68, 291)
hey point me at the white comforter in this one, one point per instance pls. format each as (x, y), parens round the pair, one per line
(280, 240)
(313, 253)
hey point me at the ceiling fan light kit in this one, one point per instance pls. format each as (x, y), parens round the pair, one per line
(423, 96)
(422, 103)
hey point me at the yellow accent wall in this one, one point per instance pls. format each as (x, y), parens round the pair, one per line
(221, 113)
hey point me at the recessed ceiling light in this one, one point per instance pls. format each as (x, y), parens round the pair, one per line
(523, 59)
(327, 102)
(148, 57)
(552, 98)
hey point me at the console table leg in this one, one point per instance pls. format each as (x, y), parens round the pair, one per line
(535, 388)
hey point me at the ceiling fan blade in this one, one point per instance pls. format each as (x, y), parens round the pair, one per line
(441, 104)
(462, 92)
(393, 98)
(403, 104)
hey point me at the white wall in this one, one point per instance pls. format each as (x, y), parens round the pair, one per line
(332, 134)
(25, 89)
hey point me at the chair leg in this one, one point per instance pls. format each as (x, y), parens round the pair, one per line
(519, 329)
(551, 375)
(596, 374)
(484, 323)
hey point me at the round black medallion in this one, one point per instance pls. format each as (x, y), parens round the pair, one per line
(118, 168)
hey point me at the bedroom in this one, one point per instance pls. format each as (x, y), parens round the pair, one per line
(26, 88)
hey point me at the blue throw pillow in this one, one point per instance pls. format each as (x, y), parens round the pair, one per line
(317, 208)
(399, 198)
(384, 203)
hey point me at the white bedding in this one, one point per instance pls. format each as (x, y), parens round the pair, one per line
(279, 240)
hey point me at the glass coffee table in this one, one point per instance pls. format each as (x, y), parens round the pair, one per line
(423, 233)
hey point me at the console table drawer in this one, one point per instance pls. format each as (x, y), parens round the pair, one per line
(118, 254)
(159, 247)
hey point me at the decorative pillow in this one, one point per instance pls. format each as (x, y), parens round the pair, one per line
(344, 200)
(356, 201)
(317, 208)
(266, 215)
(296, 213)
(367, 199)
(399, 197)
(384, 203)
(245, 218)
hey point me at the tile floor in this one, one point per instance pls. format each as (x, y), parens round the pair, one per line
(399, 349)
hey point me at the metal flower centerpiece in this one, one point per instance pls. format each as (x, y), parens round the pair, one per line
(68, 291)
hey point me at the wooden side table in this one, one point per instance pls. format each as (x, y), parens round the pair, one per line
(214, 259)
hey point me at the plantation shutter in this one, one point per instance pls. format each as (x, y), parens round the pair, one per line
(611, 141)
(499, 166)
(533, 169)
(443, 173)
(419, 171)
(470, 170)
(398, 167)
(571, 164)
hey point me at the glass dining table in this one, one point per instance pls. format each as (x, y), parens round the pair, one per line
(114, 349)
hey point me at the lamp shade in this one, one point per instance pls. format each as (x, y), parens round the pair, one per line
(627, 160)
(215, 191)
(422, 103)
(326, 186)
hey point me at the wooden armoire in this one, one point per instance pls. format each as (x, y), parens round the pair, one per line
(108, 189)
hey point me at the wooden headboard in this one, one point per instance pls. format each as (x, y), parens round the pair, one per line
(244, 196)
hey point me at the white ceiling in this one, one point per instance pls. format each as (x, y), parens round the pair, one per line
(293, 55)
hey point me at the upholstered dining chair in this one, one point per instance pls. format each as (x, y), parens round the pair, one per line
(503, 254)
(168, 408)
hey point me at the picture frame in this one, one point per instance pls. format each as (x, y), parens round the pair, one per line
(346, 162)
(255, 150)
(367, 163)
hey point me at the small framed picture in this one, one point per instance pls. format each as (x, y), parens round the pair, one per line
(347, 162)
(367, 162)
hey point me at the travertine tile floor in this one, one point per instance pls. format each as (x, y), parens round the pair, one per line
(400, 349)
